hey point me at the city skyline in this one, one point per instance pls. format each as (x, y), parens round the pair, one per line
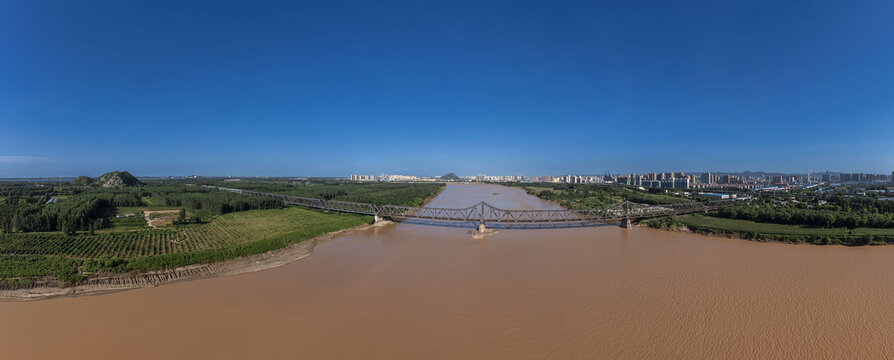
(321, 90)
(368, 176)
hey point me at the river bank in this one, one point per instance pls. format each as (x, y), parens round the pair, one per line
(764, 232)
(118, 282)
(253, 257)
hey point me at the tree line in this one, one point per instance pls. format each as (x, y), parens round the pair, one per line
(90, 210)
(81, 212)
(379, 193)
(865, 216)
(210, 202)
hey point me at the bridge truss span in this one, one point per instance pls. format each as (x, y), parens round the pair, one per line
(486, 213)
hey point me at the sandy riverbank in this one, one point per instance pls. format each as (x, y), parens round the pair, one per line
(119, 282)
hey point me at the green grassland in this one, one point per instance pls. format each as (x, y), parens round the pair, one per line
(776, 232)
(25, 257)
(123, 210)
(137, 222)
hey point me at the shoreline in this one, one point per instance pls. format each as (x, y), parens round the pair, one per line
(121, 282)
(757, 237)
(431, 198)
(680, 228)
(109, 283)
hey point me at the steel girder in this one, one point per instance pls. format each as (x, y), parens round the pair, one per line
(486, 213)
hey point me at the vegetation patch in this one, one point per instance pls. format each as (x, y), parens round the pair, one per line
(70, 258)
(594, 196)
(87, 229)
(379, 193)
(775, 232)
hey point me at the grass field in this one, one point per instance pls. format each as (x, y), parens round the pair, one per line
(123, 210)
(26, 256)
(137, 222)
(788, 233)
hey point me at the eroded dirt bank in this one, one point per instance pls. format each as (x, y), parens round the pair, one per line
(119, 282)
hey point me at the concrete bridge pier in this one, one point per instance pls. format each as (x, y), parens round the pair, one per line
(481, 228)
(378, 219)
(627, 223)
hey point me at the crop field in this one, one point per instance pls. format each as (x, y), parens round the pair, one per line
(124, 210)
(136, 222)
(226, 236)
(225, 230)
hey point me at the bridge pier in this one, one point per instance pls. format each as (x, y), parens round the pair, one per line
(378, 219)
(626, 223)
(481, 228)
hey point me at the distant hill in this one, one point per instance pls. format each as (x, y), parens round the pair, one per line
(82, 181)
(450, 177)
(114, 179)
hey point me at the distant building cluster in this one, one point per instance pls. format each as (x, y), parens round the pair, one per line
(665, 180)
(364, 178)
(386, 177)
(863, 178)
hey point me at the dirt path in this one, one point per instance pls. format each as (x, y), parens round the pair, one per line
(155, 223)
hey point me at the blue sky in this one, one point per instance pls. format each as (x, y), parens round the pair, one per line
(423, 87)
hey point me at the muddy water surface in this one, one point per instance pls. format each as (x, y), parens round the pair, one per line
(410, 291)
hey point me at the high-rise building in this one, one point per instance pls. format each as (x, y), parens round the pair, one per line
(707, 178)
(681, 183)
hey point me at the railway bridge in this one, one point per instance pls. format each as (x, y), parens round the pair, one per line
(483, 213)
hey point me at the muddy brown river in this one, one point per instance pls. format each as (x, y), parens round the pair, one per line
(411, 291)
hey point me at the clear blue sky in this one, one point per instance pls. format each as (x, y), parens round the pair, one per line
(330, 88)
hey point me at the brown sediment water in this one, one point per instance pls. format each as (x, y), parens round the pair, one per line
(410, 291)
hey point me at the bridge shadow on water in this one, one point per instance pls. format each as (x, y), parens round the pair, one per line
(474, 224)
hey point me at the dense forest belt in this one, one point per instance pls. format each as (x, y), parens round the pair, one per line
(750, 230)
(378, 193)
(49, 287)
(874, 214)
(594, 196)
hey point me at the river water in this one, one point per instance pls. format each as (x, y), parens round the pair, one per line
(410, 291)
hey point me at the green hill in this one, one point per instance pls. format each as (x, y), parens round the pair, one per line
(450, 177)
(114, 179)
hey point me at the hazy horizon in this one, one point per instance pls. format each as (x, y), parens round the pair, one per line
(501, 88)
(690, 172)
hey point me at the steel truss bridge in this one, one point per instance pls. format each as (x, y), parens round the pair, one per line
(483, 212)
